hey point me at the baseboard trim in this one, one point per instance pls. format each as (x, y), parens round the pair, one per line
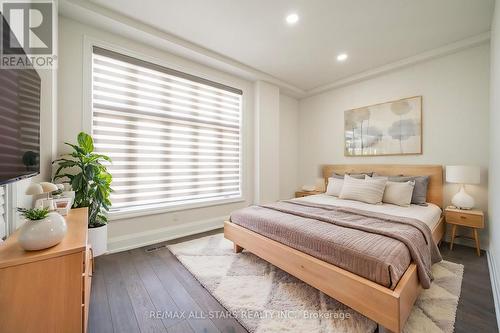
(144, 238)
(495, 287)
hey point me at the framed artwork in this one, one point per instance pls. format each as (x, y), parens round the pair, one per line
(391, 128)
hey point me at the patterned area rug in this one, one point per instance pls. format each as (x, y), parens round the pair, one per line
(263, 298)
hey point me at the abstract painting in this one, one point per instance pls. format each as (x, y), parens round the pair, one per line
(391, 128)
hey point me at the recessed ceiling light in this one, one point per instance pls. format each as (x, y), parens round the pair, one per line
(342, 57)
(292, 18)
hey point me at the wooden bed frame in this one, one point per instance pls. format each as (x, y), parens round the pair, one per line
(389, 308)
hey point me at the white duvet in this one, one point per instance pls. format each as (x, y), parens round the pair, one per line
(428, 214)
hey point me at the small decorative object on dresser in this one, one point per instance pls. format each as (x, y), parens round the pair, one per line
(41, 188)
(300, 194)
(62, 205)
(41, 229)
(473, 219)
(462, 174)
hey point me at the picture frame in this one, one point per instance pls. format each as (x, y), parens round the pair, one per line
(384, 129)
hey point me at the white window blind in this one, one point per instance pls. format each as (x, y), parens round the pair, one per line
(174, 138)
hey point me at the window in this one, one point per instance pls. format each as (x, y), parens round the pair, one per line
(174, 138)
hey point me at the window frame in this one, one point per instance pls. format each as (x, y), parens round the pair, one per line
(88, 45)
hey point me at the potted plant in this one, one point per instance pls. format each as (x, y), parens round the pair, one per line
(41, 229)
(91, 181)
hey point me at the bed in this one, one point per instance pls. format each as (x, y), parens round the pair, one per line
(386, 299)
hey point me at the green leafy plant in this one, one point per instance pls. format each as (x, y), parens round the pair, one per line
(89, 178)
(34, 214)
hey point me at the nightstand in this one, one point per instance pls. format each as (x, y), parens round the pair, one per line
(473, 219)
(300, 194)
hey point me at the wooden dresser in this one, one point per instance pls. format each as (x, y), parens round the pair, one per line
(47, 290)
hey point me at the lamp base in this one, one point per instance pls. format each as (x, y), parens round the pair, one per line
(462, 200)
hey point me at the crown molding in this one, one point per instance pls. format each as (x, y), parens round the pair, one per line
(422, 57)
(97, 16)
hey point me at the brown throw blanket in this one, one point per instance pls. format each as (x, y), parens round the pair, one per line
(377, 231)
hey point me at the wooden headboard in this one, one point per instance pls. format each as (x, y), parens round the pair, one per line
(435, 173)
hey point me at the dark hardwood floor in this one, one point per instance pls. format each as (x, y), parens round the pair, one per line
(476, 308)
(140, 291)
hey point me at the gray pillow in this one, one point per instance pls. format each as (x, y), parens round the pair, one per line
(353, 175)
(419, 196)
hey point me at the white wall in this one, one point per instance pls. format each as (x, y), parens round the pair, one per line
(48, 122)
(276, 142)
(494, 183)
(455, 91)
(267, 141)
(73, 106)
(288, 147)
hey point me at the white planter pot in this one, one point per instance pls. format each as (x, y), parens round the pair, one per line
(98, 239)
(41, 234)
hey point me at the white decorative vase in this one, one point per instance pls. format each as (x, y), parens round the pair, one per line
(462, 199)
(41, 234)
(98, 239)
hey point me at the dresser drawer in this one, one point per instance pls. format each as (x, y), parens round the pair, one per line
(469, 220)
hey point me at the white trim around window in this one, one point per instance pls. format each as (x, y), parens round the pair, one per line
(87, 120)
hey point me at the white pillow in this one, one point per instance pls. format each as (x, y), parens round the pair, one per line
(366, 190)
(334, 186)
(397, 193)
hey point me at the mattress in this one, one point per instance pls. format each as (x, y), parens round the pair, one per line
(429, 214)
(380, 258)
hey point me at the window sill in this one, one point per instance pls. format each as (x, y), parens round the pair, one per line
(127, 213)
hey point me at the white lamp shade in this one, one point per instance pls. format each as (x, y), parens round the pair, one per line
(463, 174)
(48, 187)
(34, 189)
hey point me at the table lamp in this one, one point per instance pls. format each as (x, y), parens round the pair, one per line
(463, 174)
(40, 188)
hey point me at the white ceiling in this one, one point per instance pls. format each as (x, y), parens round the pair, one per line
(254, 32)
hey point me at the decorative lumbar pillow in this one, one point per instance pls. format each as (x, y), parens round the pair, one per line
(334, 186)
(398, 193)
(419, 196)
(365, 190)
